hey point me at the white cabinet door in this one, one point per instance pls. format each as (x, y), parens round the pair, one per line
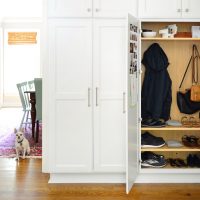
(69, 8)
(191, 8)
(114, 8)
(70, 77)
(160, 8)
(109, 81)
(133, 99)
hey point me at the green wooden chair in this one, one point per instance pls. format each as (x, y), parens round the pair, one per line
(22, 87)
(38, 97)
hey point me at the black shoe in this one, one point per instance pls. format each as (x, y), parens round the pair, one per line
(157, 123)
(190, 161)
(196, 161)
(150, 159)
(149, 140)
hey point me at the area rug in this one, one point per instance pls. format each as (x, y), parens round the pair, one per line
(7, 145)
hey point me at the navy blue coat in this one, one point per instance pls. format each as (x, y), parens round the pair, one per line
(156, 88)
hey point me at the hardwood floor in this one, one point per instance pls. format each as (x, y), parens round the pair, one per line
(24, 180)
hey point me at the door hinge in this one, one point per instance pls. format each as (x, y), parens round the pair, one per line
(139, 119)
(140, 31)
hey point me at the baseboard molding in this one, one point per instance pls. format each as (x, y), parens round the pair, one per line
(168, 178)
(88, 178)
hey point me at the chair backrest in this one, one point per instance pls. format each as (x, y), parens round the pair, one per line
(22, 87)
(38, 96)
(31, 85)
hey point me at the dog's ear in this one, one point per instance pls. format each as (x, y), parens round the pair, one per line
(15, 130)
(22, 130)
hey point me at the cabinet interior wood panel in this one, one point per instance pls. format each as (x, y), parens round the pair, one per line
(178, 53)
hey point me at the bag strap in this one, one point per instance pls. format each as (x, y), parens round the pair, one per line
(195, 68)
(194, 58)
(185, 72)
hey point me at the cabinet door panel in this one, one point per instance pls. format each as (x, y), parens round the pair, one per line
(160, 8)
(114, 8)
(70, 77)
(70, 8)
(191, 8)
(109, 75)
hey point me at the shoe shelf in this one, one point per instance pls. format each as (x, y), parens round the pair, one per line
(166, 148)
(171, 128)
(169, 169)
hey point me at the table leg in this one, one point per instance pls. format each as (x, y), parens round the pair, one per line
(33, 112)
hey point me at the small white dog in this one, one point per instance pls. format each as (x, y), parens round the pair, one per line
(21, 143)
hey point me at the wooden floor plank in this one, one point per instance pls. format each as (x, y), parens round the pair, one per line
(23, 180)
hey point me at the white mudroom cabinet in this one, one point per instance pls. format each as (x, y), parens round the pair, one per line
(87, 60)
(94, 80)
(169, 9)
(178, 51)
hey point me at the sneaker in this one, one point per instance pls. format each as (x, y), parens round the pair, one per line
(149, 140)
(156, 123)
(150, 159)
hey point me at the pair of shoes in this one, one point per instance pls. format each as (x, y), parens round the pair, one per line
(190, 122)
(158, 123)
(149, 140)
(177, 162)
(190, 141)
(150, 159)
(193, 160)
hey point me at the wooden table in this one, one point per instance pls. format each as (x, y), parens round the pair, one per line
(33, 110)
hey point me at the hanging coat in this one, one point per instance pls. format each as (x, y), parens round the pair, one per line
(156, 88)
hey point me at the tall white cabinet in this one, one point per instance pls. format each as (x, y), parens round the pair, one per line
(88, 89)
(70, 58)
(109, 101)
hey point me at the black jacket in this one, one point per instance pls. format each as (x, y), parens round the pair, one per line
(156, 88)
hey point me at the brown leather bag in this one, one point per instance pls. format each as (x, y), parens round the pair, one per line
(195, 89)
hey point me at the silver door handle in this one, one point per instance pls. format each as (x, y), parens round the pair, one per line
(124, 102)
(97, 9)
(97, 91)
(186, 10)
(89, 103)
(179, 10)
(89, 9)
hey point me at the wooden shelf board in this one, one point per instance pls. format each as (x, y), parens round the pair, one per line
(170, 169)
(166, 148)
(167, 128)
(174, 39)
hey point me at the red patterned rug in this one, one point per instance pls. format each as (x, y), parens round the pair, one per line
(7, 145)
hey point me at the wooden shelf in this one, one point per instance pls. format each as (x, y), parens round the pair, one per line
(169, 169)
(166, 148)
(170, 128)
(173, 39)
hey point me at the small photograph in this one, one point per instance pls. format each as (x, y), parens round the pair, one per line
(135, 55)
(134, 47)
(131, 47)
(133, 28)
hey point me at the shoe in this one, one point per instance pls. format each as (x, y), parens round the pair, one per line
(157, 123)
(150, 159)
(190, 161)
(149, 140)
(177, 162)
(190, 141)
(193, 161)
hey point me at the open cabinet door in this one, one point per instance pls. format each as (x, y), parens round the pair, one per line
(133, 78)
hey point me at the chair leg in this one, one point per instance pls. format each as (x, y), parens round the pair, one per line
(26, 118)
(22, 120)
(37, 131)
